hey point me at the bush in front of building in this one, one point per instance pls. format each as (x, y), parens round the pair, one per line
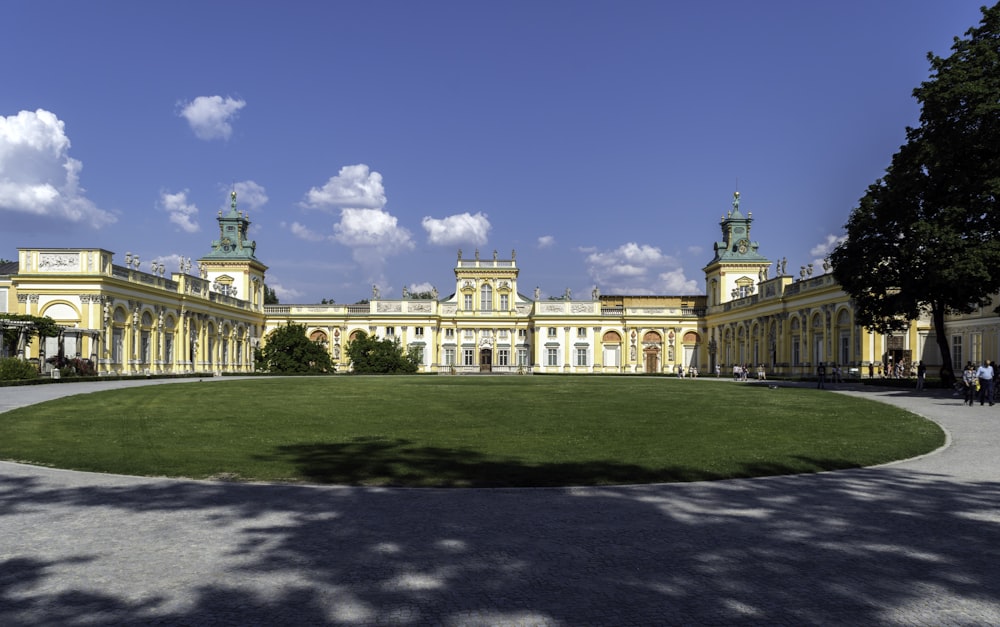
(289, 351)
(14, 369)
(370, 355)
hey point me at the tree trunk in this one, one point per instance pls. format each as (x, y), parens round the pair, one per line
(947, 368)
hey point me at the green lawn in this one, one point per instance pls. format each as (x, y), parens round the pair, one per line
(463, 431)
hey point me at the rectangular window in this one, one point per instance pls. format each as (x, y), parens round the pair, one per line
(502, 334)
(467, 300)
(522, 357)
(552, 356)
(418, 331)
(468, 334)
(956, 352)
(552, 331)
(581, 356)
(581, 332)
(468, 357)
(418, 353)
(449, 334)
(504, 302)
(390, 330)
(976, 347)
(503, 357)
(522, 334)
(796, 355)
(449, 356)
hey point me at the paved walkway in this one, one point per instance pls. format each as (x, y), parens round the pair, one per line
(914, 543)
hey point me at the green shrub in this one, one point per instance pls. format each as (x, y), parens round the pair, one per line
(12, 368)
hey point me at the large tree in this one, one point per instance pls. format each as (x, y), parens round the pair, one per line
(926, 236)
(288, 350)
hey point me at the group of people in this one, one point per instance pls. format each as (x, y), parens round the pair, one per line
(692, 372)
(741, 372)
(977, 382)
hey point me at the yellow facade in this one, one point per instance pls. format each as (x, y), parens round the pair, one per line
(133, 322)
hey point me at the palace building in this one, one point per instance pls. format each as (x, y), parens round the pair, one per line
(209, 316)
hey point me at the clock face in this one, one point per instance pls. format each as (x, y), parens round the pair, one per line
(743, 245)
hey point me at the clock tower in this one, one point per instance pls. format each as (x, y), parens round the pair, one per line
(232, 266)
(737, 266)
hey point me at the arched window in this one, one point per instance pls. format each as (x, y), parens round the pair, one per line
(486, 298)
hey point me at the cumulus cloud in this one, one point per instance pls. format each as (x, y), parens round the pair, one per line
(822, 250)
(210, 117)
(355, 186)
(371, 227)
(421, 288)
(638, 269)
(373, 235)
(462, 228)
(284, 294)
(182, 213)
(546, 241)
(37, 175)
(250, 195)
(305, 233)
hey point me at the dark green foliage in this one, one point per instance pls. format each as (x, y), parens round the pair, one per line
(288, 350)
(926, 236)
(12, 369)
(42, 326)
(370, 355)
(270, 297)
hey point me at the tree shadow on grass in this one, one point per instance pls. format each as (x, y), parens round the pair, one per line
(373, 461)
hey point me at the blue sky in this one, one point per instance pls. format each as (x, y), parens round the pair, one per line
(371, 140)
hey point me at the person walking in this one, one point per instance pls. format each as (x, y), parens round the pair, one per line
(985, 376)
(921, 373)
(969, 381)
(821, 376)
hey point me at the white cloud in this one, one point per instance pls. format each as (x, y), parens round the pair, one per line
(417, 288)
(546, 241)
(373, 235)
(210, 117)
(37, 176)
(250, 196)
(182, 213)
(303, 232)
(638, 269)
(674, 282)
(826, 247)
(457, 229)
(284, 294)
(372, 228)
(355, 186)
(821, 251)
